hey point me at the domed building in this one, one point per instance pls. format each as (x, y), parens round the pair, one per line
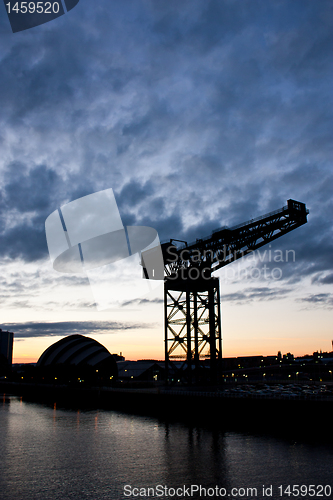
(77, 358)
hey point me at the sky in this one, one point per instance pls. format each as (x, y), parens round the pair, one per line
(197, 114)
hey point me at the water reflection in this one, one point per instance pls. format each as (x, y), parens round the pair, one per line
(53, 453)
(5, 399)
(195, 456)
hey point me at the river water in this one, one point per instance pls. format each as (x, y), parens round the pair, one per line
(52, 453)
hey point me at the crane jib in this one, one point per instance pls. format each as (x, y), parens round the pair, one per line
(225, 245)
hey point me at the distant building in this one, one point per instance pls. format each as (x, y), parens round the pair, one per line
(77, 358)
(143, 370)
(118, 357)
(251, 361)
(6, 350)
(288, 358)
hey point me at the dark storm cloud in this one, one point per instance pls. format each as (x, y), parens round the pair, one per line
(25, 240)
(27, 196)
(198, 115)
(62, 328)
(168, 227)
(32, 190)
(133, 193)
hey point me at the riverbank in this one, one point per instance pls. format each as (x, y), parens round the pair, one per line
(301, 415)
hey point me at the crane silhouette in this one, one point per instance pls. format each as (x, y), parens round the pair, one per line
(192, 314)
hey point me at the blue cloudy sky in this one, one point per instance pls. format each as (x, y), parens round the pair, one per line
(198, 114)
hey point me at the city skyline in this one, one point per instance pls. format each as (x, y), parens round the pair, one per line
(197, 116)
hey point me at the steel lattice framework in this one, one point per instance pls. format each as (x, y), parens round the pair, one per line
(191, 293)
(192, 326)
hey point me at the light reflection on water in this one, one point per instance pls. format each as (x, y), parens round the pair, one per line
(50, 453)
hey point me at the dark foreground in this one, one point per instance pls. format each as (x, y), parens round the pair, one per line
(294, 416)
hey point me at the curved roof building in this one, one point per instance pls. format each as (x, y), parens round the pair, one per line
(77, 351)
